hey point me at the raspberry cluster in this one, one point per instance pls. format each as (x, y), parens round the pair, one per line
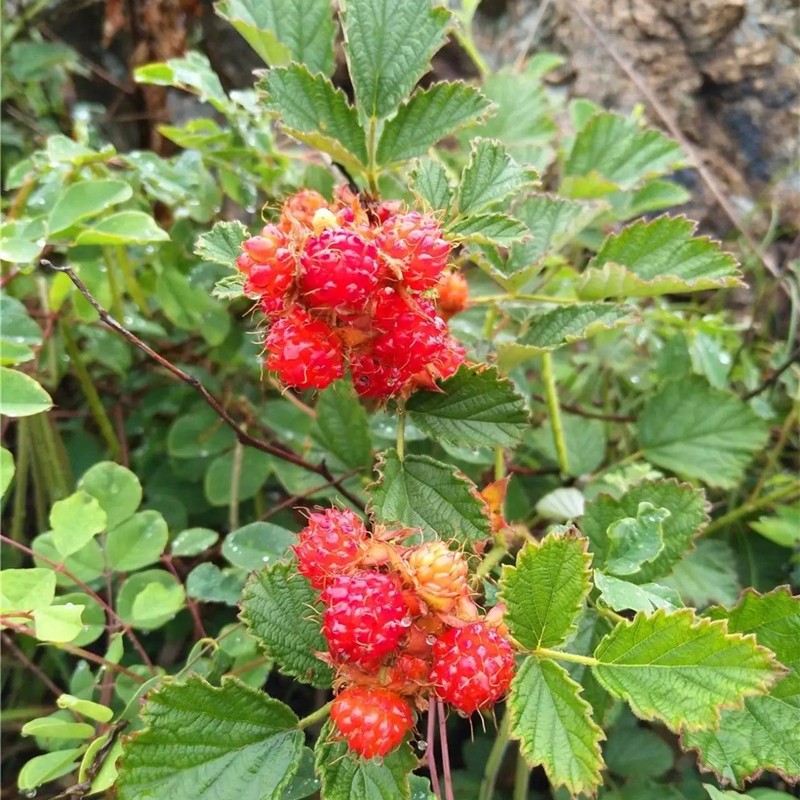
(401, 626)
(352, 286)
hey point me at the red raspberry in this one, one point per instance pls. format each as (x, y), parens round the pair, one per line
(453, 294)
(365, 617)
(373, 721)
(304, 351)
(415, 241)
(299, 209)
(439, 575)
(269, 265)
(339, 269)
(448, 360)
(472, 667)
(372, 378)
(330, 545)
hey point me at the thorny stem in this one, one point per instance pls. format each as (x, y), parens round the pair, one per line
(433, 708)
(495, 760)
(316, 716)
(551, 396)
(242, 435)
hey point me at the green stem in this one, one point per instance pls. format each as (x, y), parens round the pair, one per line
(53, 473)
(236, 477)
(21, 475)
(468, 44)
(774, 454)
(493, 558)
(522, 778)
(553, 408)
(90, 393)
(488, 325)
(749, 508)
(560, 655)
(493, 299)
(372, 146)
(113, 286)
(499, 463)
(316, 716)
(401, 433)
(131, 284)
(495, 760)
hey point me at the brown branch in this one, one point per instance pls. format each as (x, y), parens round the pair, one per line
(190, 380)
(31, 666)
(672, 126)
(794, 358)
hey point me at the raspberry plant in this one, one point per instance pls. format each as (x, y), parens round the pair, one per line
(388, 346)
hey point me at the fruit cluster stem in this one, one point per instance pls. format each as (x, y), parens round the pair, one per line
(553, 408)
(317, 716)
(495, 760)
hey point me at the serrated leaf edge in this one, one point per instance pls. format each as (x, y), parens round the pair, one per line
(573, 534)
(599, 736)
(698, 623)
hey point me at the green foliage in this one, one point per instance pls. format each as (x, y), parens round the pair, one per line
(227, 742)
(605, 352)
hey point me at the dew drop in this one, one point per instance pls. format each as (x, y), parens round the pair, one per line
(431, 640)
(29, 793)
(422, 745)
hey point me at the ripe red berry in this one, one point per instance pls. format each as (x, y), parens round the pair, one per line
(415, 242)
(373, 721)
(299, 209)
(365, 617)
(372, 378)
(448, 359)
(339, 270)
(330, 545)
(453, 294)
(304, 351)
(269, 265)
(472, 667)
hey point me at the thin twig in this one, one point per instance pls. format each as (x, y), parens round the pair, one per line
(433, 707)
(191, 604)
(296, 498)
(58, 567)
(446, 773)
(794, 358)
(29, 665)
(195, 383)
(672, 126)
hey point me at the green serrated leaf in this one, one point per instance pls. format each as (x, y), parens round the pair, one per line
(430, 183)
(426, 117)
(681, 669)
(345, 776)
(688, 515)
(698, 431)
(85, 199)
(616, 150)
(782, 527)
(388, 46)
(621, 595)
(342, 427)
(545, 591)
(315, 112)
(634, 541)
(490, 176)
(647, 259)
(21, 395)
(222, 244)
(491, 229)
(208, 743)
(475, 407)
(281, 31)
(706, 575)
(421, 492)
(765, 733)
(554, 726)
(560, 326)
(278, 607)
